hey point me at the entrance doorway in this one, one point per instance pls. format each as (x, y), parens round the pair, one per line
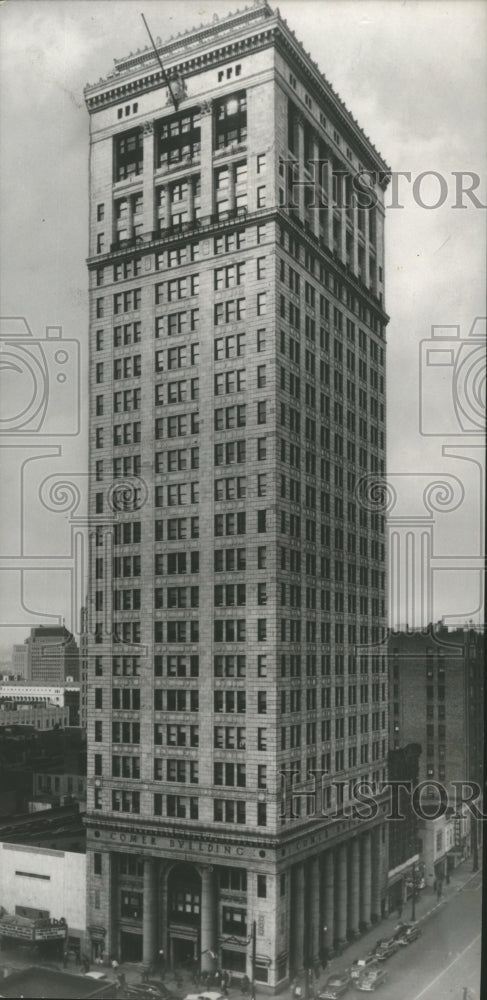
(130, 947)
(183, 951)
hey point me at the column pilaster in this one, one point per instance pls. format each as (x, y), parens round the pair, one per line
(354, 888)
(208, 919)
(300, 188)
(365, 880)
(376, 875)
(329, 214)
(329, 901)
(366, 276)
(149, 918)
(148, 183)
(207, 180)
(314, 910)
(315, 212)
(298, 912)
(341, 895)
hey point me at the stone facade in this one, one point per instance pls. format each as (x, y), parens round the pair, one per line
(237, 599)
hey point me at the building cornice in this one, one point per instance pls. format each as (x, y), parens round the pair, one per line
(212, 226)
(270, 29)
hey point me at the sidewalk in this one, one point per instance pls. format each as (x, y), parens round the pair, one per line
(180, 983)
(427, 903)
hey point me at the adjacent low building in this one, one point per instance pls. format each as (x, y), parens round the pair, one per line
(54, 786)
(436, 695)
(445, 843)
(43, 879)
(32, 713)
(63, 695)
(405, 864)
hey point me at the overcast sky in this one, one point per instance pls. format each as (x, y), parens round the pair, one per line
(412, 73)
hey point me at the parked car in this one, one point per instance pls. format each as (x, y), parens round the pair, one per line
(205, 995)
(142, 991)
(385, 948)
(148, 991)
(407, 933)
(359, 964)
(370, 979)
(336, 986)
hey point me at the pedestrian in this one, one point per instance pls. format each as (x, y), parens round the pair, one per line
(244, 985)
(317, 970)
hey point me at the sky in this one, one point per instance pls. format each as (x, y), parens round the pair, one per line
(414, 75)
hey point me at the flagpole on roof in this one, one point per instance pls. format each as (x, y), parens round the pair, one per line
(163, 71)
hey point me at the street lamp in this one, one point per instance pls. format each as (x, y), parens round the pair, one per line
(413, 903)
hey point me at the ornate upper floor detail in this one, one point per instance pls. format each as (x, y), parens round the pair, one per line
(241, 33)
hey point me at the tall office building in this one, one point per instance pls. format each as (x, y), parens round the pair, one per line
(437, 700)
(53, 655)
(20, 660)
(237, 597)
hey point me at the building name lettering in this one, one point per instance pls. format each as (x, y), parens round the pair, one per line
(174, 843)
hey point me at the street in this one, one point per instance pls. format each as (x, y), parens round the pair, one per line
(446, 958)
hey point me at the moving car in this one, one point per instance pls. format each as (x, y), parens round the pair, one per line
(385, 948)
(336, 986)
(407, 933)
(359, 964)
(370, 979)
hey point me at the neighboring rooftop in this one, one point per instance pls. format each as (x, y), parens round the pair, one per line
(60, 828)
(40, 983)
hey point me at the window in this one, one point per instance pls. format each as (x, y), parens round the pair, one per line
(131, 905)
(228, 811)
(129, 151)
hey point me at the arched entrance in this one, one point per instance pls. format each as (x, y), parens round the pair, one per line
(183, 915)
